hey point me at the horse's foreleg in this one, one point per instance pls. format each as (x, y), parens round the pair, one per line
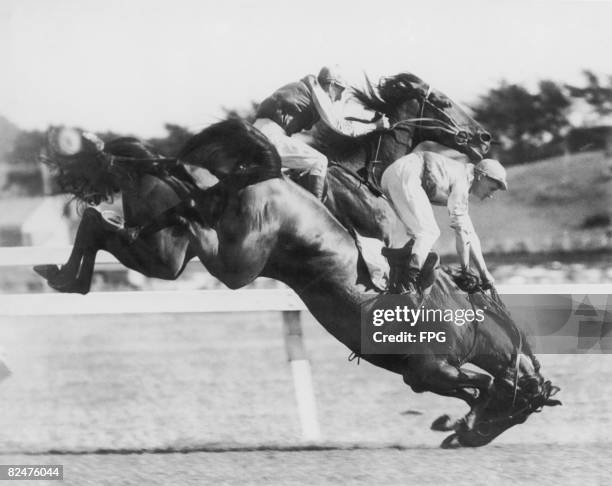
(161, 255)
(442, 378)
(73, 276)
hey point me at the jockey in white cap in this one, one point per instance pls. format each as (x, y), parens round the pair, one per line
(416, 181)
(298, 106)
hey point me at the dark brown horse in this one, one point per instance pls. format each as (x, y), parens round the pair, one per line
(255, 223)
(146, 192)
(417, 113)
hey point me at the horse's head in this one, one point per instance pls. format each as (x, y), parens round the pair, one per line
(411, 103)
(513, 399)
(83, 163)
(460, 132)
(80, 164)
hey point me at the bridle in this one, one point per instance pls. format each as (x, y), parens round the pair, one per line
(530, 404)
(422, 123)
(447, 125)
(533, 405)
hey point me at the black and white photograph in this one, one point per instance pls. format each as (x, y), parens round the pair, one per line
(317, 243)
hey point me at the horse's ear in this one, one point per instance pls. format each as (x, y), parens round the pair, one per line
(421, 90)
(418, 88)
(440, 100)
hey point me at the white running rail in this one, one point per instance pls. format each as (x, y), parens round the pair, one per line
(204, 301)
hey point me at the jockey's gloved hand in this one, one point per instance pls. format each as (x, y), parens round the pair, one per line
(488, 282)
(467, 280)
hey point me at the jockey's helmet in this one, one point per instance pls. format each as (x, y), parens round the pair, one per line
(331, 74)
(493, 170)
(68, 142)
(65, 141)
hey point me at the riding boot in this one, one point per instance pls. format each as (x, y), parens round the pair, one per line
(316, 185)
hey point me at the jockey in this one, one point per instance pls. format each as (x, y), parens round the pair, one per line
(416, 181)
(298, 106)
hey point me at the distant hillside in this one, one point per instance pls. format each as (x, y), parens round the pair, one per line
(546, 207)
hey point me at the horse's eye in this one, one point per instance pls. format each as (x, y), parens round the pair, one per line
(485, 137)
(461, 137)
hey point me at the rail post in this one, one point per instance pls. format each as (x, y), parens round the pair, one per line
(302, 376)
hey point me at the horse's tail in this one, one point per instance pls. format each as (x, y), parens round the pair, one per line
(233, 148)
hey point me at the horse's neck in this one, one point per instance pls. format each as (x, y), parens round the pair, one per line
(495, 349)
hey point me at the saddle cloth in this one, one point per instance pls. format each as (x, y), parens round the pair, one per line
(371, 252)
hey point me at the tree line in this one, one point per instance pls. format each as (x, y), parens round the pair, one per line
(532, 125)
(527, 125)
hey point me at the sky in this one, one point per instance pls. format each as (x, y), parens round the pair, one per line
(132, 65)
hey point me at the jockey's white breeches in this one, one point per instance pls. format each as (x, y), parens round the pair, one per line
(294, 153)
(402, 184)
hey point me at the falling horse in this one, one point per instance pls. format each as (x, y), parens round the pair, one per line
(255, 223)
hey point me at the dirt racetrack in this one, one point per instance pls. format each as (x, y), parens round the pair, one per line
(197, 399)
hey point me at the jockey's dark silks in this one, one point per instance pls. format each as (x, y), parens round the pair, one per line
(291, 107)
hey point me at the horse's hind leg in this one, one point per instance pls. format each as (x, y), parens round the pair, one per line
(442, 378)
(75, 275)
(161, 255)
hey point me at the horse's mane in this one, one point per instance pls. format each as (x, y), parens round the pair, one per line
(390, 92)
(86, 175)
(230, 143)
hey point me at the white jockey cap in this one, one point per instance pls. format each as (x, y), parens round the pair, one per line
(67, 141)
(332, 74)
(493, 170)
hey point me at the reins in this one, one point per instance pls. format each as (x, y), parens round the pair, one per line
(501, 310)
(495, 306)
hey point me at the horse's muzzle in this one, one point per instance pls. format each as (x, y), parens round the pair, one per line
(490, 424)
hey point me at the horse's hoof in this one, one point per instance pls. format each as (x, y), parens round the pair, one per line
(72, 287)
(443, 423)
(53, 275)
(48, 272)
(451, 442)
